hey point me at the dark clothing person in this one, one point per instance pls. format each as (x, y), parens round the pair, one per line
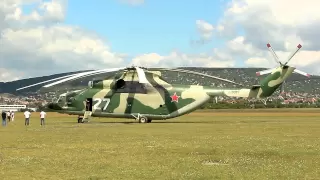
(8, 116)
(26, 122)
(88, 105)
(4, 116)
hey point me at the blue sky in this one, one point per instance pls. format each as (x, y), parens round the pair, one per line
(155, 26)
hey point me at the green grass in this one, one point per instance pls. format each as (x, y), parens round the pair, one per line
(211, 145)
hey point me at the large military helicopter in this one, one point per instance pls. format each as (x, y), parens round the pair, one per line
(144, 95)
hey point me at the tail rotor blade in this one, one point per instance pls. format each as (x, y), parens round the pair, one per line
(295, 52)
(275, 57)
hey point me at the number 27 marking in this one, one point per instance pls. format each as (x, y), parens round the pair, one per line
(99, 100)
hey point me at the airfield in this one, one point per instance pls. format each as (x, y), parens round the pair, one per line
(213, 144)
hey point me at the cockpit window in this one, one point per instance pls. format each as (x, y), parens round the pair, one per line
(60, 99)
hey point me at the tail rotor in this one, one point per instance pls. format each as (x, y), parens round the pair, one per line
(282, 65)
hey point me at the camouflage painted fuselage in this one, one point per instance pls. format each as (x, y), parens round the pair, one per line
(159, 99)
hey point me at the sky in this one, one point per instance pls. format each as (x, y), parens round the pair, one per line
(44, 37)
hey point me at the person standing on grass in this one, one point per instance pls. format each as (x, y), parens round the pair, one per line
(4, 118)
(8, 116)
(12, 115)
(42, 116)
(27, 117)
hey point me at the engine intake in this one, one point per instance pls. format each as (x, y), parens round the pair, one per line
(120, 84)
(90, 84)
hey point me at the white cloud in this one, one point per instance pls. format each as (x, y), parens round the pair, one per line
(37, 45)
(282, 23)
(177, 59)
(205, 29)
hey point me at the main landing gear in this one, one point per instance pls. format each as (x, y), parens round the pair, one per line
(80, 119)
(142, 119)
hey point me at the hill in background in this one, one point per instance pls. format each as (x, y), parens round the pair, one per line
(247, 76)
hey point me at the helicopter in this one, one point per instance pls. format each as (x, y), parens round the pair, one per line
(144, 95)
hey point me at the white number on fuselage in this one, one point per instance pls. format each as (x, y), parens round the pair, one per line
(99, 100)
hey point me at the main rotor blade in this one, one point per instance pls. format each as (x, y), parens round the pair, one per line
(201, 74)
(292, 54)
(85, 74)
(45, 82)
(302, 73)
(141, 75)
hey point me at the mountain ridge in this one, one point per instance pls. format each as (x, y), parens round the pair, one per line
(246, 75)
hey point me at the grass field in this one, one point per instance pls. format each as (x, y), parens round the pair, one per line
(224, 144)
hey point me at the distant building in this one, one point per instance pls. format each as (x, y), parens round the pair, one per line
(12, 107)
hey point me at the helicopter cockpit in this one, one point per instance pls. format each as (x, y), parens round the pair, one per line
(61, 98)
(66, 98)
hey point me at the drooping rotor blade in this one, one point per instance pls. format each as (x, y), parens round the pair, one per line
(259, 73)
(141, 75)
(302, 73)
(292, 54)
(44, 82)
(85, 74)
(201, 74)
(273, 54)
(72, 77)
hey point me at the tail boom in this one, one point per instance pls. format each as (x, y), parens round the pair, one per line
(266, 88)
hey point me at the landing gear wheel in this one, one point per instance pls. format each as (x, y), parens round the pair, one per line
(149, 121)
(143, 119)
(80, 120)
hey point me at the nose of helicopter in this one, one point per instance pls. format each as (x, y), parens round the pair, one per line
(54, 106)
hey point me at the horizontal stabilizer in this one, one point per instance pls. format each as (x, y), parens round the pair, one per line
(255, 87)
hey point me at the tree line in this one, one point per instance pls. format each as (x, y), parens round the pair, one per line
(258, 105)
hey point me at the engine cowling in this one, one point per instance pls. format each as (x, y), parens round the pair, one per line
(95, 84)
(120, 83)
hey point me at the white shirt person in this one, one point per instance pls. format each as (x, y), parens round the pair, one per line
(27, 117)
(12, 115)
(42, 116)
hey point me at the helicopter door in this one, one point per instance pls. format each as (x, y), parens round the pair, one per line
(89, 104)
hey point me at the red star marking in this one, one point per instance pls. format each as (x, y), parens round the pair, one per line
(174, 97)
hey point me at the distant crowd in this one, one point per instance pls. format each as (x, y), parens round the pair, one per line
(8, 116)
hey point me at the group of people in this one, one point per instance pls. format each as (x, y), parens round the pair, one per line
(9, 115)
